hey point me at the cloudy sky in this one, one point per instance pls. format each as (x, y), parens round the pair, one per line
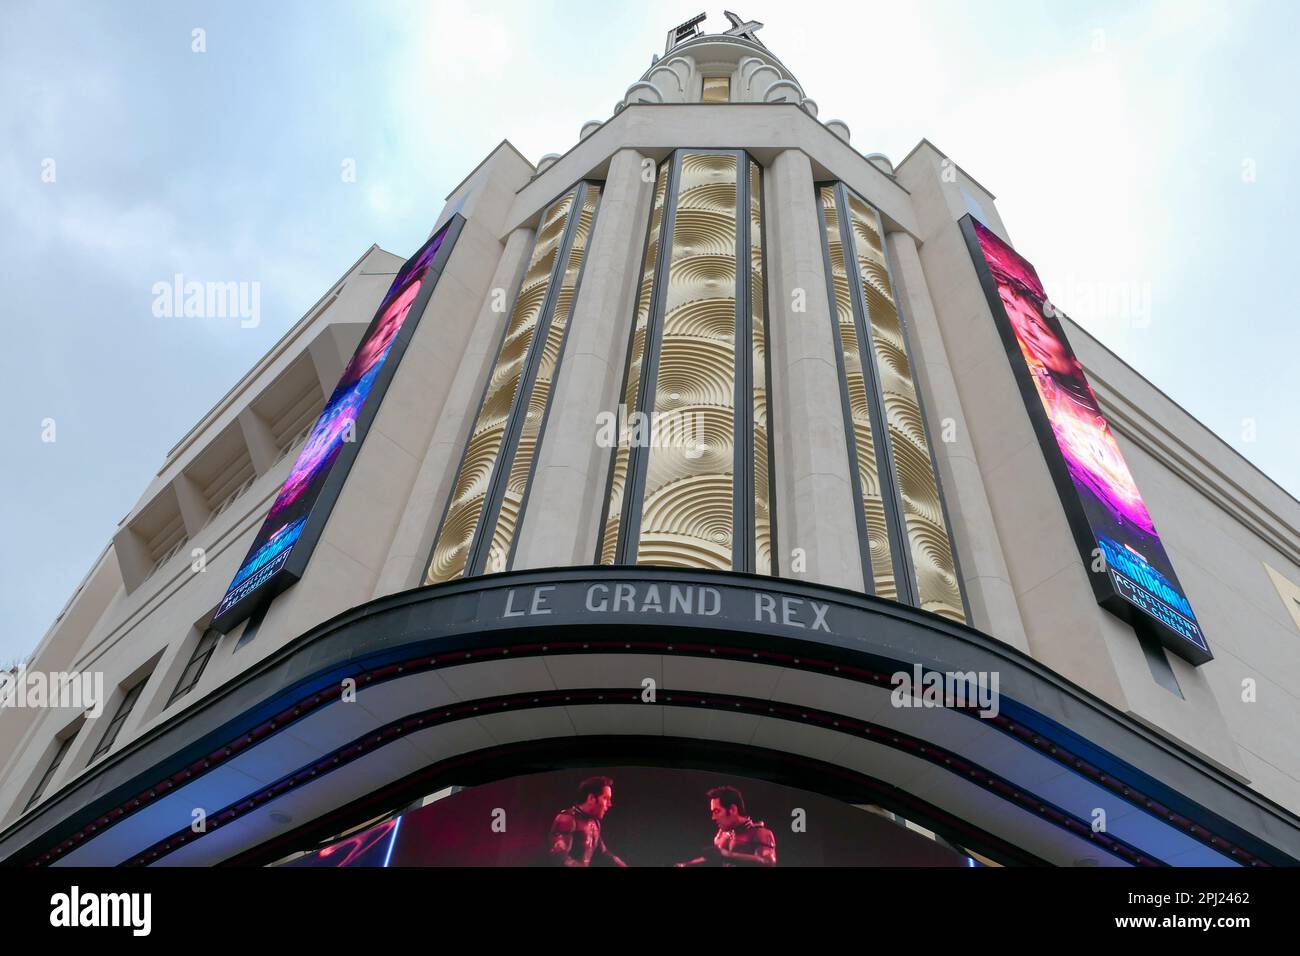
(1144, 156)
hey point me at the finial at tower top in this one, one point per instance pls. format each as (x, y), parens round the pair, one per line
(742, 29)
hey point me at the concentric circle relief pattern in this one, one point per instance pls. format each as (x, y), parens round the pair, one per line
(864, 438)
(687, 510)
(455, 537)
(534, 408)
(698, 281)
(632, 379)
(928, 537)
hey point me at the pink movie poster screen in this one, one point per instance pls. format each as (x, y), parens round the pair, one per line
(1100, 496)
(279, 552)
(633, 816)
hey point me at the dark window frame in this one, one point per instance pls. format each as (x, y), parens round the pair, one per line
(123, 711)
(198, 663)
(65, 744)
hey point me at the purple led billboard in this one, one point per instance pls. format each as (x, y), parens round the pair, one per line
(283, 545)
(1108, 517)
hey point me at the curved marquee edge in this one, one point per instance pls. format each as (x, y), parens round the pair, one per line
(784, 618)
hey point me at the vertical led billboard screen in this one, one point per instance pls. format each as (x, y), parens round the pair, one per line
(279, 553)
(1129, 569)
(635, 816)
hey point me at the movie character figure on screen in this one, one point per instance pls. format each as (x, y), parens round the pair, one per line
(575, 834)
(740, 840)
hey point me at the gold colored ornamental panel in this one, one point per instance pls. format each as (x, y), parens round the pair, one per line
(927, 531)
(636, 356)
(871, 491)
(688, 507)
(525, 454)
(459, 527)
(758, 327)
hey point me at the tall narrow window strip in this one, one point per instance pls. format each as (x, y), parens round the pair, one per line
(927, 531)
(456, 534)
(758, 379)
(537, 402)
(198, 662)
(115, 725)
(866, 465)
(687, 508)
(51, 768)
(632, 378)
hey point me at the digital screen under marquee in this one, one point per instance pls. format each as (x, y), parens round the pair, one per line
(649, 817)
(279, 553)
(1101, 499)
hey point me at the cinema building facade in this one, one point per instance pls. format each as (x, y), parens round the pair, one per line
(711, 452)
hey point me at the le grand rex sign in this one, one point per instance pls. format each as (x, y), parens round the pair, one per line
(643, 601)
(603, 598)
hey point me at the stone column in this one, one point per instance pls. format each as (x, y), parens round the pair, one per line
(979, 551)
(413, 540)
(328, 361)
(132, 557)
(195, 512)
(261, 444)
(562, 517)
(817, 529)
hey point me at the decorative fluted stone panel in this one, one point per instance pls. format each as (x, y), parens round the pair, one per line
(537, 403)
(563, 518)
(784, 91)
(669, 83)
(760, 81)
(687, 518)
(908, 552)
(690, 480)
(858, 398)
(636, 359)
(642, 92)
(745, 70)
(477, 531)
(684, 68)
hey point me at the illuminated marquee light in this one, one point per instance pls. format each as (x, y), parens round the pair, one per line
(1105, 509)
(283, 546)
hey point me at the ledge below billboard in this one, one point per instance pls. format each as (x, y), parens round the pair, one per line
(279, 553)
(1131, 574)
